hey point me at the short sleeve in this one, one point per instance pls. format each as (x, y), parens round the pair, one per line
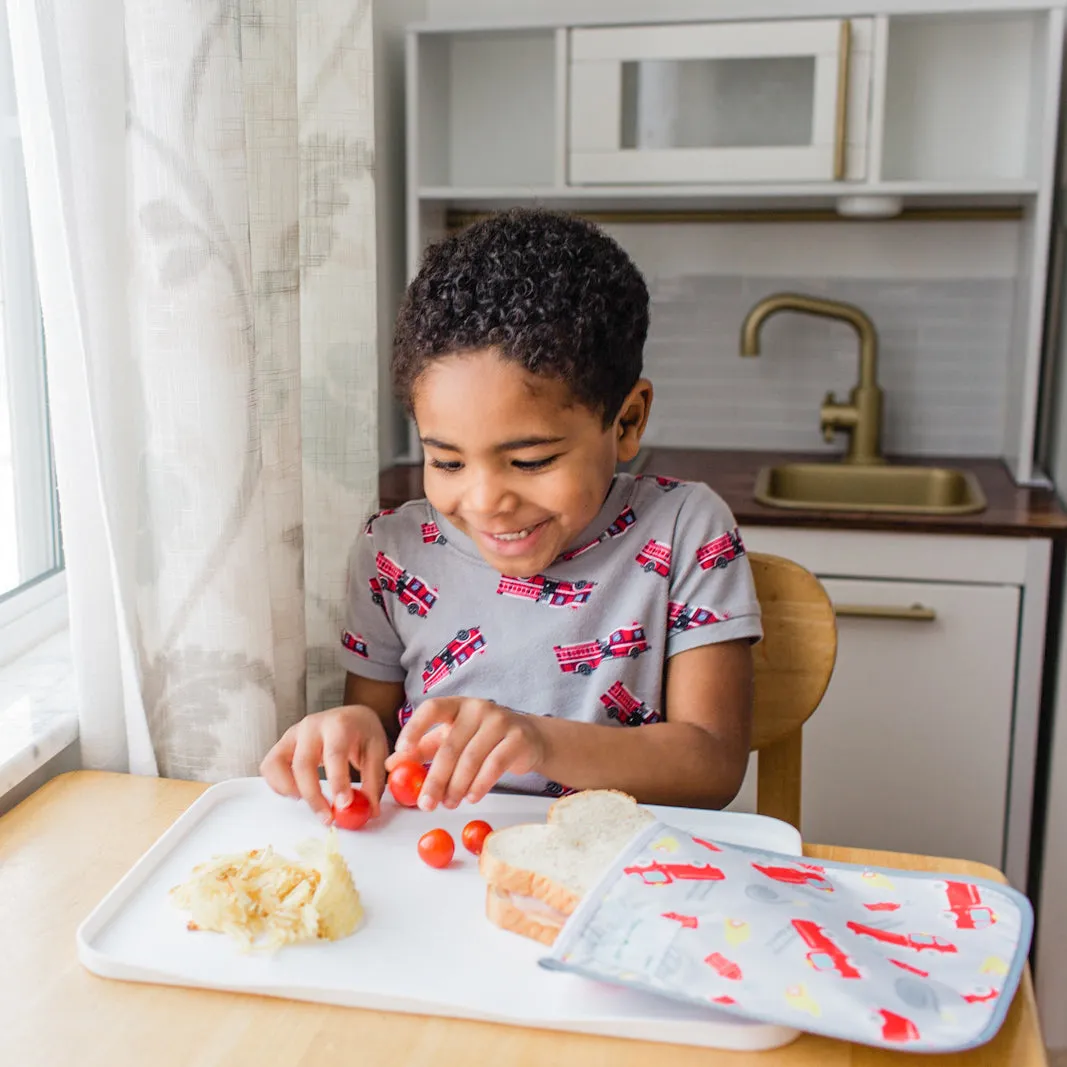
(370, 645)
(712, 594)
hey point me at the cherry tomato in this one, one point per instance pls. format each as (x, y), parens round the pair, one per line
(355, 815)
(405, 782)
(474, 835)
(437, 848)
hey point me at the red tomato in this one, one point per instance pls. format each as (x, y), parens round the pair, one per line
(437, 848)
(355, 815)
(405, 782)
(474, 835)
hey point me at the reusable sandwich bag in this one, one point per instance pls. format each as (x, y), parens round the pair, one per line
(898, 959)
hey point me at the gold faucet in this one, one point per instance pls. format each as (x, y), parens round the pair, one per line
(861, 417)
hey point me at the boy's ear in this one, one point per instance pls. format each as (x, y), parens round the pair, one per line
(632, 419)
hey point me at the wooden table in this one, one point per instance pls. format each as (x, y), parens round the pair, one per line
(64, 848)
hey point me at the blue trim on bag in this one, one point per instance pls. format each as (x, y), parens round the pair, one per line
(572, 929)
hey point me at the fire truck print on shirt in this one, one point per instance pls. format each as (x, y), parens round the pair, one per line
(687, 616)
(721, 551)
(586, 656)
(354, 643)
(544, 590)
(655, 557)
(458, 651)
(431, 534)
(626, 709)
(409, 589)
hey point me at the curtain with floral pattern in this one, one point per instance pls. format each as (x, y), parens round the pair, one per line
(202, 202)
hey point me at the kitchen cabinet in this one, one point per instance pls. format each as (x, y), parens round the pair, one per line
(926, 738)
(914, 733)
(941, 104)
(716, 102)
(646, 114)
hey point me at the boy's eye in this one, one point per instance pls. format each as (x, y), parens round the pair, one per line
(446, 465)
(533, 464)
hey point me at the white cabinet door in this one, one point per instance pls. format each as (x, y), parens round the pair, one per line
(719, 102)
(910, 748)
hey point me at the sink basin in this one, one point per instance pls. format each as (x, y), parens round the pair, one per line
(845, 487)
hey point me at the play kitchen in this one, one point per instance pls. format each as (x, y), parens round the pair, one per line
(865, 204)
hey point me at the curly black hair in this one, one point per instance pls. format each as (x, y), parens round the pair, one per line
(550, 291)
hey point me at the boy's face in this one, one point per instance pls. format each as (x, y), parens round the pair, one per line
(513, 460)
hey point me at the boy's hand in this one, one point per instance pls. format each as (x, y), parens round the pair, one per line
(337, 740)
(475, 742)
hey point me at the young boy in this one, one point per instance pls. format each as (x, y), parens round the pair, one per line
(562, 626)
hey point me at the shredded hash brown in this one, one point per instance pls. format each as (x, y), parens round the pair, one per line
(263, 900)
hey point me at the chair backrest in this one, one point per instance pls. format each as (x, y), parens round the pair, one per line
(793, 664)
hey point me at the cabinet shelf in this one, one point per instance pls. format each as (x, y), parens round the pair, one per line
(962, 196)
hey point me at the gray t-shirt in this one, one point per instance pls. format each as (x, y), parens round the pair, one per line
(661, 569)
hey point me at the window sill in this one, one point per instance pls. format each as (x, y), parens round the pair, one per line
(38, 710)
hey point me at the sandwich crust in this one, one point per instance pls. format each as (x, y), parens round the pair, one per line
(564, 828)
(503, 913)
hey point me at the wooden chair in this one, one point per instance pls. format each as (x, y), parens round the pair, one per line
(793, 664)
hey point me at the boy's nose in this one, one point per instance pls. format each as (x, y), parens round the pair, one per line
(489, 495)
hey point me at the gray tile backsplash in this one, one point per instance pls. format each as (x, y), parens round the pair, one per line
(943, 360)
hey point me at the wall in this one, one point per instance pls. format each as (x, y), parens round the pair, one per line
(940, 295)
(1051, 962)
(390, 19)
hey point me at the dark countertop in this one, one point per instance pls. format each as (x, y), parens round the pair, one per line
(1013, 511)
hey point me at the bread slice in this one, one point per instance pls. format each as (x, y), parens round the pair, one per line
(502, 910)
(538, 872)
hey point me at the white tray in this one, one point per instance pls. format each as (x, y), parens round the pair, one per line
(425, 946)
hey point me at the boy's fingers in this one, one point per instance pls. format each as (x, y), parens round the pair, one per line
(338, 772)
(500, 760)
(469, 764)
(306, 772)
(276, 767)
(424, 751)
(426, 715)
(444, 761)
(371, 764)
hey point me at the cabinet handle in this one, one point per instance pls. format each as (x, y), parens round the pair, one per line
(915, 613)
(841, 117)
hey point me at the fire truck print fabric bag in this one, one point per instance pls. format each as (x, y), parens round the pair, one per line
(898, 959)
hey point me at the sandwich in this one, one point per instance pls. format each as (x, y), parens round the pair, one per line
(537, 873)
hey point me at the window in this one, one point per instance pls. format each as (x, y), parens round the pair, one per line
(31, 558)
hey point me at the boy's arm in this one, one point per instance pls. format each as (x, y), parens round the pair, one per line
(697, 758)
(383, 698)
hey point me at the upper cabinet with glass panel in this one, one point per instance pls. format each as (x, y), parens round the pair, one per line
(720, 102)
(945, 103)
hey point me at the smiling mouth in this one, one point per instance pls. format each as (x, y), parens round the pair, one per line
(516, 535)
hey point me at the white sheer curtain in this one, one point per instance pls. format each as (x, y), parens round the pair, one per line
(201, 196)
